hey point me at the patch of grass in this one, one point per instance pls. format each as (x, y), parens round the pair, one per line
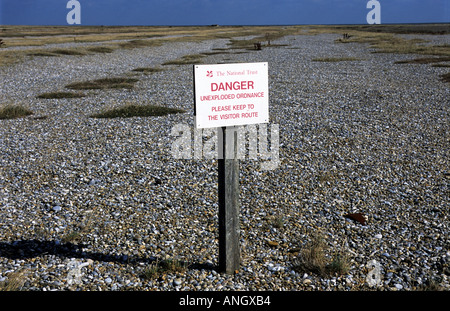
(216, 52)
(312, 259)
(390, 43)
(58, 95)
(132, 110)
(243, 43)
(139, 43)
(148, 69)
(339, 265)
(186, 60)
(441, 65)
(67, 52)
(71, 237)
(431, 285)
(335, 59)
(10, 57)
(100, 49)
(14, 281)
(159, 268)
(11, 111)
(424, 60)
(277, 221)
(56, 52)
(435, 29)
(446, 77)
(75, 52)
(268, 35)
(42, 54)
(105, 83)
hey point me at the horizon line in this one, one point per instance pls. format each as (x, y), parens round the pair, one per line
(228, 25)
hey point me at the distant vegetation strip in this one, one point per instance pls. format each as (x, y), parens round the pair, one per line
(133, 110)
(11, 111)
(381, 37)
(105, 83)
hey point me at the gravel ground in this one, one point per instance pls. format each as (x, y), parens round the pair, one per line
(92, 204)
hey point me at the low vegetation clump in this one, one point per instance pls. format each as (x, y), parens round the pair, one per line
(57, 52)
(42, 53)
(14, 281)
(105, 83)
(11, 111)
(159, 268)
(441, 65)
(446, 77)
(67, 52)
(58, 95)
(335, 59)
(424, 60)
(100, 49)
(139, 43)
(390, 43)
(132, 110)
(187, 60)
(148, 69)
(313, 259)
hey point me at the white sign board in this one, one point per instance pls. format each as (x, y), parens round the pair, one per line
(231, 94)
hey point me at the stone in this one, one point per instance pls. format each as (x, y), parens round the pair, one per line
(358, 217)
(272, 243)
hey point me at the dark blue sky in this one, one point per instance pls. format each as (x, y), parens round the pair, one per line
(223, 12)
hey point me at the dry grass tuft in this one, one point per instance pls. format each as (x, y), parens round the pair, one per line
(67, 52)
(14, 282)
(313, 259)
(391, 43)
(148, 69)
(159, 268)
(105, 83)
(139, 43)
(11, 111)
(424, 60)
(446, 77)
(187, 60)
(100, 49)
(132, 110)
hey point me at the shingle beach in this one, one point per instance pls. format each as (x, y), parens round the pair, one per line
(93, 204)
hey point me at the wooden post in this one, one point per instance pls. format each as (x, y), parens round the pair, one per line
(229, 231)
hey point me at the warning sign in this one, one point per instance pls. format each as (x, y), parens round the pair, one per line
(231, 94)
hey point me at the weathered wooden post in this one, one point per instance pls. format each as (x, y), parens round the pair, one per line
(228, 184)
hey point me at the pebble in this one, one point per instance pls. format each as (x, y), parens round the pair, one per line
(365, 137)
(177, 282)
